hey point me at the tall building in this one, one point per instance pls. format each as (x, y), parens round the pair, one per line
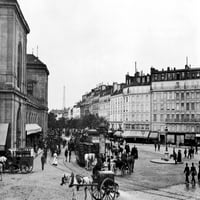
(104, 102)
(117, 107)
(137, 104)
(176, 104)
(14, 101)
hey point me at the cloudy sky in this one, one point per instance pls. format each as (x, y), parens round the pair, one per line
(87, 42)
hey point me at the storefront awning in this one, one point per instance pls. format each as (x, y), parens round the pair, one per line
(33, 128)
(118, 133)
(135, 134)
(198, 135)
(153, 135)
(3, 135)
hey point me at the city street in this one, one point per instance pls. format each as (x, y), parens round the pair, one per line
(149, 180)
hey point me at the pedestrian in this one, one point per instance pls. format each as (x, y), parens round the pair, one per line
(196, 148)
(199, 172)
(179, 157)
(155, 145)
(185, 152)
(66, 154)
(193, 173)
(158, 146)
(70, 153)
(127, 148)
(187, 173)
(55, 161)
(43, 159)
(174, 156)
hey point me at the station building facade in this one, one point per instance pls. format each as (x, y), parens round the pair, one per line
(15, 104)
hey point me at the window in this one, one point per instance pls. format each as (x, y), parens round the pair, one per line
(177, 117)
(192, 106)
(177, 96)
(177, 106)
(19, 65)
(168, 106)
(187, 106)
(182, 106)
(187, 95)
(161, 118)
(173, 106)
(154, 117)
(30, 87)
(177, 85)
(182, 96)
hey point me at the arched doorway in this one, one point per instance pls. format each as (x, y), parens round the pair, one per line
(18, 128)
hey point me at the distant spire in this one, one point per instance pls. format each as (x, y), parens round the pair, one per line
(37, 51)
(135, 67)
(186, 60)
(64, 98)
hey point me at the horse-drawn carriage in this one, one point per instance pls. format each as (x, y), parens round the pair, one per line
(19, 160)
(102, 186)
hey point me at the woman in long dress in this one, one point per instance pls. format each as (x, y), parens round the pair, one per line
(55, 161)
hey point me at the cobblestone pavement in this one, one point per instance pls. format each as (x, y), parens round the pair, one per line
(170, 187)
(150, 181)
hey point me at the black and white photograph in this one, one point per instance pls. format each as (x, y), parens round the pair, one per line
(99, 100)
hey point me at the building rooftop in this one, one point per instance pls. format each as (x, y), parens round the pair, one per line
(15, 5)
(34, 62)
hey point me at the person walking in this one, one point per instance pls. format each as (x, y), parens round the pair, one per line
(70, 153)
(187, 173)
(185, 152)
(199, 172)
(158, 146)
(155, 145)
(127, 148)
(43, 160)
(193, 173)
(66, 154)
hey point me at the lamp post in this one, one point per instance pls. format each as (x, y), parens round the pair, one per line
(166, 130)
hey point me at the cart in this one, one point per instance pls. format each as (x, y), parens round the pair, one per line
(104, 186)
(19, 160)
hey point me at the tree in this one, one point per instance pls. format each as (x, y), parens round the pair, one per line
(52, 122)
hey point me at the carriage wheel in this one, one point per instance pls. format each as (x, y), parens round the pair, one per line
(108, 189)
(96, 192)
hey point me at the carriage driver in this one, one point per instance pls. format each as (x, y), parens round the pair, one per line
(98, 165)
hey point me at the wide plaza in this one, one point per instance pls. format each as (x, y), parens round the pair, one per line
(149, 180)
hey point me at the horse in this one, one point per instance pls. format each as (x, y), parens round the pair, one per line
(78, 181)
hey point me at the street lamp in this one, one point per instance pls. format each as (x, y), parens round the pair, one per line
(166, 130)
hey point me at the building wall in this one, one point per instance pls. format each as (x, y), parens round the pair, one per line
(104, 107)
(137, 108)
(116, 111)
(176, 105)
(13, 31)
